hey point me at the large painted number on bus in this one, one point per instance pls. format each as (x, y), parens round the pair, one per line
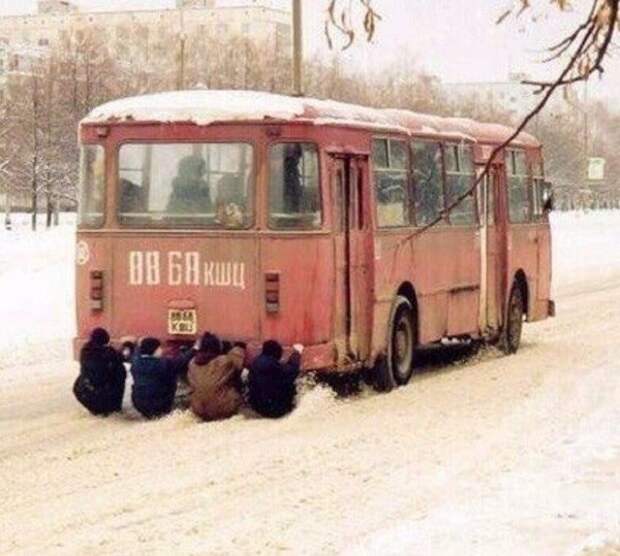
(144, 267)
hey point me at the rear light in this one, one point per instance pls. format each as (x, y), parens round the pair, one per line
(96, 290)
(272, 292)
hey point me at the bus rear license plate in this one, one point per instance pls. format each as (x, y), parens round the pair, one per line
(182, 322)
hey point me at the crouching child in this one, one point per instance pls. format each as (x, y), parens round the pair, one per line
(155, 378)
(100, 385)
(216, 381)
(272, 388)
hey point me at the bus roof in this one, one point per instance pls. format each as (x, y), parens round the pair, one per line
(206, 107)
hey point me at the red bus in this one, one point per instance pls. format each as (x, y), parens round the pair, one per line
(259, 216)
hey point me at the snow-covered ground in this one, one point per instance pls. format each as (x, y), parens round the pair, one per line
(493, 455)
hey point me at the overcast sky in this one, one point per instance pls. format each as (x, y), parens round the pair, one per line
(457, 40)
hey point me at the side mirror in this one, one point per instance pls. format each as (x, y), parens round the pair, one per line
(547, 196)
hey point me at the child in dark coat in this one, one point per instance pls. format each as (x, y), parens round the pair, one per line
(101, 383)
(271, 385)
(155, 378)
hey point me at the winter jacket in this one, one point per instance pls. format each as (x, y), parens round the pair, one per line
(100, 385)
(216, 385)
(155, 383)
(272, 388)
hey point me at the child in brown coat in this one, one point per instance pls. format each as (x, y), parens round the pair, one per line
(215, 380)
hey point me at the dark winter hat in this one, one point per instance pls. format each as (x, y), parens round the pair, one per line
(271, 348)
(100, 337)
(149, 346)
(210, 343)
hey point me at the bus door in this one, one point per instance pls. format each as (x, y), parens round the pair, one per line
(541, 192)
(492, 244)
(353, 257)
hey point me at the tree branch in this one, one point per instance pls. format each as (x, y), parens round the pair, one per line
(549, 89)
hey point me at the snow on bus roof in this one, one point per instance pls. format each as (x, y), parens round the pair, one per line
(207, 107)
(204, 107)
(490, 133)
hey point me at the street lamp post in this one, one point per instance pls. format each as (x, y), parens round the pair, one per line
(298, 87)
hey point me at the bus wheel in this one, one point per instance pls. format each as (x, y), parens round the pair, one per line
(403, 339)
(511, 337)
(396, 367)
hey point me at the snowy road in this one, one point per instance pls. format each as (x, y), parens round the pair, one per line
(495, 455)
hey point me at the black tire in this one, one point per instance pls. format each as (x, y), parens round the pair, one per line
(382, 380)
(396, 367)
(513, 329)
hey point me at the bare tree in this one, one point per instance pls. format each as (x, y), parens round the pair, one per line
(582, 53)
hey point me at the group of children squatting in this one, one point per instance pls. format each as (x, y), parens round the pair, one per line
(214, 370)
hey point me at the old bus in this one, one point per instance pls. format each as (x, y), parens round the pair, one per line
(259, 216)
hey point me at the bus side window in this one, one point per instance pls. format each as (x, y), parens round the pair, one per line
(518, 187)
(538, 192)
(92, 186)
(294, 195)
(490, 200)
(485, 196)
(390, 162)
(339, 206)
(459, 180)
(428, 181)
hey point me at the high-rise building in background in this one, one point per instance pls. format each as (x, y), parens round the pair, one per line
(24, 37)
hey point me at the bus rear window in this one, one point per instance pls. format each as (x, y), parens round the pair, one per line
(294, 195)
(189, 185)
(92, 186)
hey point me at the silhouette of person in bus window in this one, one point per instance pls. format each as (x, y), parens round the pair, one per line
(132, 197)
(230, 201)
(190, 191)
(292, 178)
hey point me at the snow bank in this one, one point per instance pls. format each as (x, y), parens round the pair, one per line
(37, 288)
(586, 250)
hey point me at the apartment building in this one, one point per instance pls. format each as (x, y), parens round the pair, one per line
(24, 36)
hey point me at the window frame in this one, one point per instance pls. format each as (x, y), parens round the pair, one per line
(408, 182)
(447, 194)
(267, 211)
(512, 166)
(252, 223)
(104, 212)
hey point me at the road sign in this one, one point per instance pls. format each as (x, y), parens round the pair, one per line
(596, 169)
